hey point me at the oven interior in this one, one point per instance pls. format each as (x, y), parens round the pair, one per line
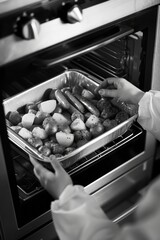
(121, 58)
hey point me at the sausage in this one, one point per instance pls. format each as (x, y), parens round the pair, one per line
(91, 108)
(62, 99)
(72, 110)
(75, 101)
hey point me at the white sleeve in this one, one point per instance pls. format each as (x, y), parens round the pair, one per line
(77, 216)
(149, 112)
(147, 217)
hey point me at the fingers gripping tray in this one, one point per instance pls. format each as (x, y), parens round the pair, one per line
(70, 139)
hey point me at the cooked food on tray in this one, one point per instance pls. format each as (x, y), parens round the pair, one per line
(65, 119)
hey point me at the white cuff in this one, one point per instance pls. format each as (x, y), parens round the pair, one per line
(70, 198)
(143, 112)
(149, 112)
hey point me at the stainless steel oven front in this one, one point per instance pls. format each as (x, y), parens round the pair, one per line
(46, 39)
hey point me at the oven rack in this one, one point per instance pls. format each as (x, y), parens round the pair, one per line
(92, 158)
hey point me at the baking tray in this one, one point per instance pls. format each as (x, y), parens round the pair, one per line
(68, 78)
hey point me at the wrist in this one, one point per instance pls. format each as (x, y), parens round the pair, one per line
(72, 196)
(65, 191)
(138, 96)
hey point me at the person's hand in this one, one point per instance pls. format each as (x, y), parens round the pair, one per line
(54, 182)
(120, 88)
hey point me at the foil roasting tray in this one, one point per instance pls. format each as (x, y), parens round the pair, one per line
(69, 78)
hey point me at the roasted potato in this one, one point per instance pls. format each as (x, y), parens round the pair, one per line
(40, 116)
(64, 128)
(31, 105)
(25, 133)
(14, 117)
(69, 150)
(78, 135)
(82, 135)
(86, 134)
(47, 120)
(109, 124)
(48, 106)
(16, 128)
(77, 115)
(51, 128)
(131, 109)
(35, 142)
(65, 139)
(60, 119)
(87, 115)
(67, 115)
(87, 94)
(58, 109)
(82, 142)
(32, 111)
(109, 112)
(121, 116)
(97, 130)
(39, 133)
(28, 120)
(78, 124)
(92, 121)
(44, 150)
(103, 103)
(57, 148)
(47, 143)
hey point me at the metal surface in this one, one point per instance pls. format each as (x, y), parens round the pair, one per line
(122, 185)
(67, 79)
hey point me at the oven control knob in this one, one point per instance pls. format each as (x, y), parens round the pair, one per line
(71, 13)
(27, 27)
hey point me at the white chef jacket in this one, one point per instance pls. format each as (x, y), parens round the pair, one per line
(77, 215)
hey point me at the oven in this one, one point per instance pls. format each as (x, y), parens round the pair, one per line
(41, 40)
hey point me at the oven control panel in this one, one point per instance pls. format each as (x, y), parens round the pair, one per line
(24, 20)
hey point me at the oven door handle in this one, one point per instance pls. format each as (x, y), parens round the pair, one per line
(66, 51)
(125, 214)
